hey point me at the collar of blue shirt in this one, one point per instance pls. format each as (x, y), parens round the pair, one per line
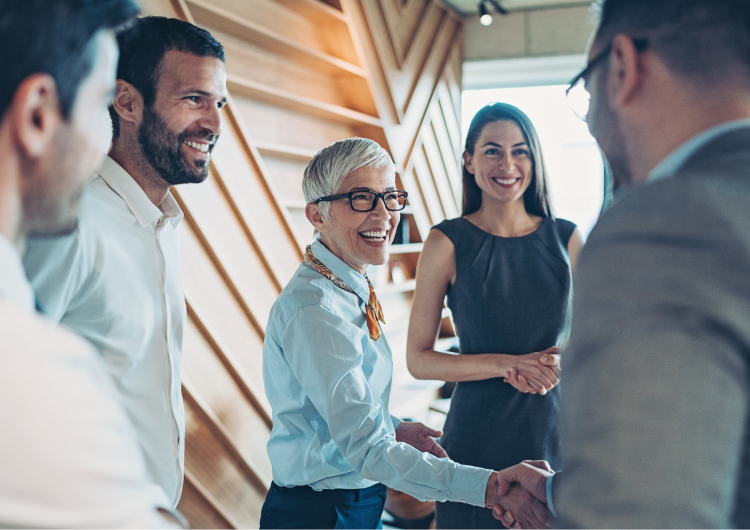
(138, 202)
(350, 277)
(677, 158)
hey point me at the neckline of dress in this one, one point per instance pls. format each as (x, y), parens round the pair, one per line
(544, 220)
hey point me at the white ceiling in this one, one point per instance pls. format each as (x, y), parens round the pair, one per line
(469, 7)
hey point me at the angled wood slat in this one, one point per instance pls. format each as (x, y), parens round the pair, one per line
(225, 484)
(261, 478)
(200, 507)
(209, 339)
(221, 312)
(301, 75)
(290, 101)
(211, 15)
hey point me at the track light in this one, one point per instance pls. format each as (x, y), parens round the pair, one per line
(485, 19)
(500, 9)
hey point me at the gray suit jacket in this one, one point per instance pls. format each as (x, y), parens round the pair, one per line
(655, 393)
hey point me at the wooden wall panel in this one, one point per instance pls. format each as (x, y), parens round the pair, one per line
(301, 75)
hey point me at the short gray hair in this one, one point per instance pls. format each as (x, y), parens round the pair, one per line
(329, 167)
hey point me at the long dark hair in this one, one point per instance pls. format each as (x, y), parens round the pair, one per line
(536, 197)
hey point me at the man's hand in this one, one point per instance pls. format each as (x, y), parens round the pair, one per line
(420, 437)
(520, 509)
(531, 474)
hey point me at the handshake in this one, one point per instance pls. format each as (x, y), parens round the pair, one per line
(518, 495)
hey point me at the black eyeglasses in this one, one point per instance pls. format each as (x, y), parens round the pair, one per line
(366, 201)
(578, 97)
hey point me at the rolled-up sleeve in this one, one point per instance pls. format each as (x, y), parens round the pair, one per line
(325, 352)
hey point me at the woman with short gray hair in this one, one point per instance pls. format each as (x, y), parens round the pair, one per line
(327, 369)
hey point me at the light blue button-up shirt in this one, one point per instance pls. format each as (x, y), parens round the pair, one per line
(329, 384)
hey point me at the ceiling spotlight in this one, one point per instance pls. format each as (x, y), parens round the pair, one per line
(500, 9)
(485, 19)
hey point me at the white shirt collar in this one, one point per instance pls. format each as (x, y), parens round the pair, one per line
(14, 287)
(138, 202)
(677, 158)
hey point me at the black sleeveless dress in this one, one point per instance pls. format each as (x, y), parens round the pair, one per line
(512, 296)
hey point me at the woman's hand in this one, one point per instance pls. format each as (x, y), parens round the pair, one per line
(421, 437)
(534, 373)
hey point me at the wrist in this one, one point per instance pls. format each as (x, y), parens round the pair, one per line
(502, 364)
(490, 494)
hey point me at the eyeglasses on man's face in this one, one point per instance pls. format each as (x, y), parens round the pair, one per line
(577, 94)
(366, 201)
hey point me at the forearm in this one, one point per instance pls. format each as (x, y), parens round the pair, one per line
(442, 366)
(423, 476)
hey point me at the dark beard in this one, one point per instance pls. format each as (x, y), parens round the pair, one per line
(162, 148)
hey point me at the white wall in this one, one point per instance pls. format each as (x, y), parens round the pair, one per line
(529, 33)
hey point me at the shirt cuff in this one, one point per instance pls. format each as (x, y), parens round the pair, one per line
(470, 485)
(549, 496)
(396, 422)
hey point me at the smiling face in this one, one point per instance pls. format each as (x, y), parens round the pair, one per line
(501, 163)
(361, 239)
(179, 131)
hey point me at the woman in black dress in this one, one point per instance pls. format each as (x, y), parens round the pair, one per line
(505, 266)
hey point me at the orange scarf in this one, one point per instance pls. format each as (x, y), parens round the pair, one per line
(373, 310)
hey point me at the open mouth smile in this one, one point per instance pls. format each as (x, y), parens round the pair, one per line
(197, 146)
(374, 236)
(506, 182)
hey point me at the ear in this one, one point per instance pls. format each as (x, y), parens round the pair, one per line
(34, 114)
(316, 217)
(469, 162)
(626, 74)
(128, 103)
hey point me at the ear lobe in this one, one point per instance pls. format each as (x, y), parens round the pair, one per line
(128, 103)
(316, 217)
(35, 114)
(627, 72)
(469, 162)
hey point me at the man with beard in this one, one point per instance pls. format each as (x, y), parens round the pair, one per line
(116, 279)
(657, 397)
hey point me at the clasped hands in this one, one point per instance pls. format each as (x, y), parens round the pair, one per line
(534, 373)
(517, 495)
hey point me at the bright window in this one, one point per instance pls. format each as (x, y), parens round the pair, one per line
(574, 163)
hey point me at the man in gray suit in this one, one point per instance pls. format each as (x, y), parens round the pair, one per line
(656, 392)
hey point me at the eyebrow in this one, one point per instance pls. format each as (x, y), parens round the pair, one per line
(498, 145)
(362, 188)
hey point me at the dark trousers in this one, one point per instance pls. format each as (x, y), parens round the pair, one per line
(303, 507)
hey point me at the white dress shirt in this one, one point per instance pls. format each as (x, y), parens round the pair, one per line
(68, 453)
(116, 282)
(329, 385)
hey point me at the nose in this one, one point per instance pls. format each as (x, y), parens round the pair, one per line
(211, 120)
(507, 163)
(380, 210)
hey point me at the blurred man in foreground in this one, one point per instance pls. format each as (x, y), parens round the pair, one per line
(69, 456)
(655, 407)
